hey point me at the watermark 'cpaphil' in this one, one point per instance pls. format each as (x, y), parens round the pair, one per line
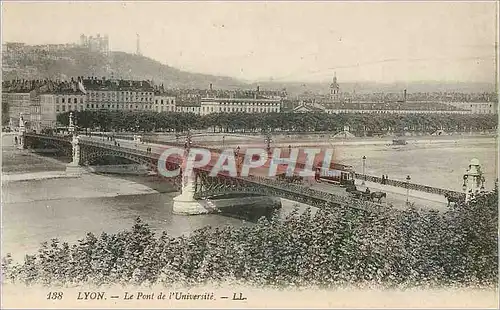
(302, 162)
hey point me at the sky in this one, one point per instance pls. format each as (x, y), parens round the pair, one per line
(281, 41)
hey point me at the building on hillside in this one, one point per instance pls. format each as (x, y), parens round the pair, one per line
(95, 44)
(476, 107)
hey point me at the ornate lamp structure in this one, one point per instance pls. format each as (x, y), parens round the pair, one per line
(364, 165)
(268, 141)
(74, 166)
(20, 132)
(473, 180)
(238, 160)
(408, 178)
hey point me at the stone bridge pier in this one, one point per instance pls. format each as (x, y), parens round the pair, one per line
(185, 203)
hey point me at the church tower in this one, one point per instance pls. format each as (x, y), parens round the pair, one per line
(335, 89)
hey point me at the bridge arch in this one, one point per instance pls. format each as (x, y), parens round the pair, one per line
(90, 156)
(61, 145)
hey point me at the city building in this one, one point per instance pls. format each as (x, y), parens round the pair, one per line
(189, 107)
(114, 94)
(18, 96)
(248, 101)
(44, 112)
(335, 90)
(393, 108)
(476, 107)
(308, 106)
(17, 102)
(164, 102)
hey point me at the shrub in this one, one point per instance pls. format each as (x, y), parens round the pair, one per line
(391, 249)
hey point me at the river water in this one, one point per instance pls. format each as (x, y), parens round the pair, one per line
(34, 211)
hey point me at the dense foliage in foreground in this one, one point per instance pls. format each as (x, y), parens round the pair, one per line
(394, 249)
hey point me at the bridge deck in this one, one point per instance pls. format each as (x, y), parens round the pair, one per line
(261, 174)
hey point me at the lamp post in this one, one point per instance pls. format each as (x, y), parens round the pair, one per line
(223, 141)
(268, 143)
(364, 165)
(407, 188)
(188, 142)
(237, 160)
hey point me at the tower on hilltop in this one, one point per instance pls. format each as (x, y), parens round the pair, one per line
(138, 45)
(335, 89)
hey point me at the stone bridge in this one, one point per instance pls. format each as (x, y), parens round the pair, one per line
(200, 185)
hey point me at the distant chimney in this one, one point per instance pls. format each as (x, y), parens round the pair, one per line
(258, 88)
(404, 99)
(210, 86)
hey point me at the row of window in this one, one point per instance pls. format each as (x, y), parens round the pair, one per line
(19, 96)
(75, 100)
(232, 109)
(133, 93)
(121, 99)
(64, 108)
(392, 111)
(69, 100)
(248, 103)
(166, 100)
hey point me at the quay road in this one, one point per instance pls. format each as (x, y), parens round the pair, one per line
(395, 196)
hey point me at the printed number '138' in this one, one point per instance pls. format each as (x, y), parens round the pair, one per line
(54, 295)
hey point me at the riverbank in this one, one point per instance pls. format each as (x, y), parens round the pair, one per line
(89, 186)
(355, 141)
(35, 176)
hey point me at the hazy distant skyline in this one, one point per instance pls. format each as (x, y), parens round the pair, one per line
(283, 41)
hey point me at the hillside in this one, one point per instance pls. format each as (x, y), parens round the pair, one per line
(81, 62)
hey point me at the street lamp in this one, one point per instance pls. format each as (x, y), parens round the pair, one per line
(364, 165)
(188, 142)
(407, 188)
(223, 140)
(268, 142)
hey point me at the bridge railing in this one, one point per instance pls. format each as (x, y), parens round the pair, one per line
(412, 186)
(53, 137)
(133, 151)
(296, 189)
